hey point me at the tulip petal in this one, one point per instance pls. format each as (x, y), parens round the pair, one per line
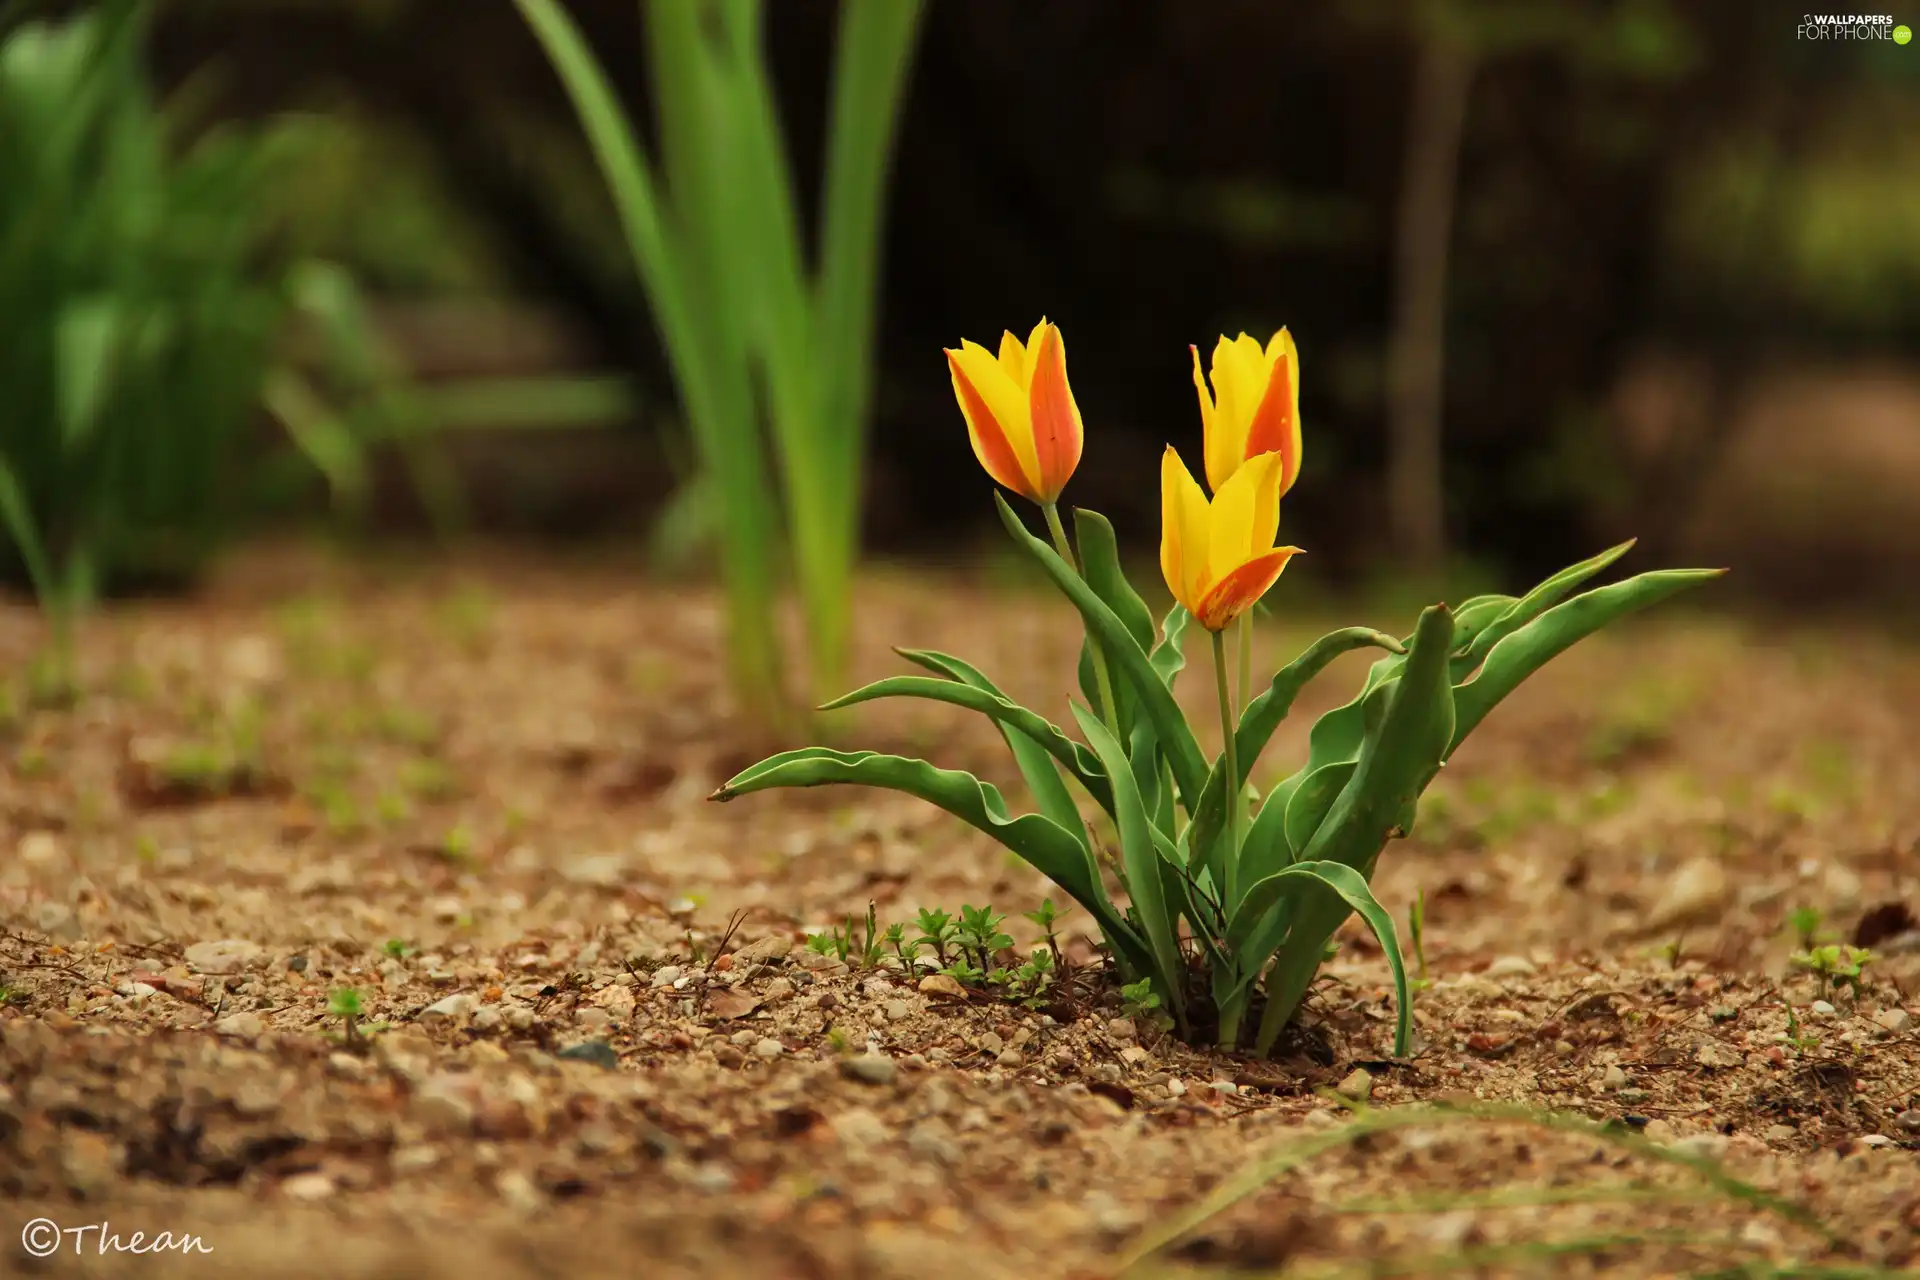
(1275, 427)
(1246, 513)
(1234, 594)
(1013, 358)
(1057, 431)
(1006, 402)
(1206, 396)
(1183, 530)
(1225, 445)
(990, 442)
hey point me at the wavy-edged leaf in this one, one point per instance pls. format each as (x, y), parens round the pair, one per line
(1011, 718)
(1412, 726)
(1030, 756)
(1168, 658)
(1311, 800)
(1099, 553)
(1539, 600)
(1142, 858)
(1353, 890)
(1265, 714)
(1525, 651)
(1129, 660)
(1043, 843)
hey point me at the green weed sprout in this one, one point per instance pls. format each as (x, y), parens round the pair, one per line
(345, 1004)
(937, 932)
(1230, 906)
(1836, 965)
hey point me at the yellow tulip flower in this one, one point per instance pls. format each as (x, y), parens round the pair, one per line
(1218, 557)
(1254, 407)
(1021, 417)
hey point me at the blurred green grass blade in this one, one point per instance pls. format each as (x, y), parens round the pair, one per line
(704, 350)
(320, 435)
(1292, 1153)
(17, 512)
(559, 403)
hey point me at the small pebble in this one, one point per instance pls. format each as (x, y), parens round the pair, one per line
(728, 1056)
(1226, 1088)
(898, 1011)
(598, 1052)
(1511, 967)
(1011, 1060)
(1357, 1087)
(869, 1068)
(1823, 1008)
(307, 1187)
(992, 1043)
(592, 1018)
(1613, 1078)
(1875, 1140)
(1176, 1088)
(1894, 1022)
(1781, 1133)
(458, 1005)
(769, 1049)
(778, 989)
(1908, 1120)
(1121, 1029)
(666, 975)
(1702, 1146)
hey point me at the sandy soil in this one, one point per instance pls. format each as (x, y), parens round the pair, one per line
(476, 796)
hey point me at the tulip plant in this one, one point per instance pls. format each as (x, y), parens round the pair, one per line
(1231, 899)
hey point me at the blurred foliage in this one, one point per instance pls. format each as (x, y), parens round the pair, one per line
(1678, 176)
(140, 293)
(146, 292)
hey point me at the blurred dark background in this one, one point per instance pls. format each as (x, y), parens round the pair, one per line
(1681, 292)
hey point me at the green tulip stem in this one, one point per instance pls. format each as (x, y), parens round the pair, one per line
(1108, 712)
(1230, 890)
(1246, 661)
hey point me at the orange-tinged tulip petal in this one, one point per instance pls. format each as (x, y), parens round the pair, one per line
(1057, 433)
(1021, 415)
(991, 443)
(1218, 557)
(1234, 594)
(1254, 407)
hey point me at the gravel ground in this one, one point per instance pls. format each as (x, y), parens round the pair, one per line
(591, 1040)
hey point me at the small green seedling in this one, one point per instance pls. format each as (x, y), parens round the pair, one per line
(1836, 965)
(937, 932)
(1139, 1001)
(1030, 981)
(457, 844)
(967, 975)
(1046, 916)
(896, 937)
(980, 935)
(1417, 927)
(396, 948)
(1794, 1039)
(1805, 923)
(345, 1004)
(11, 996)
